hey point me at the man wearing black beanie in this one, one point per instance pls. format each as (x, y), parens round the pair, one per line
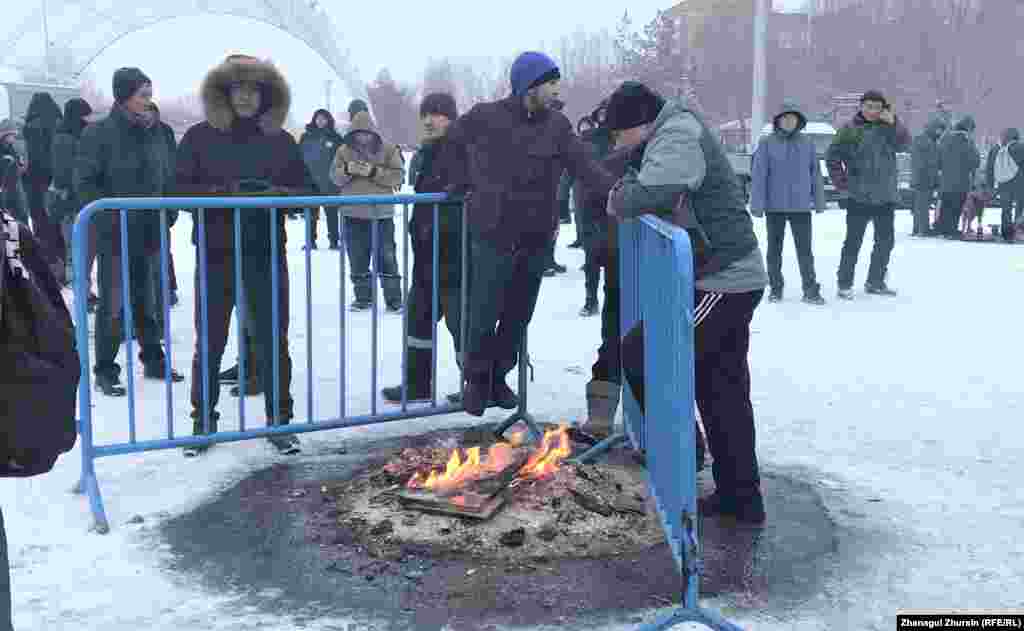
(433, 175)
(126, 155)
(514, 151)
(684, 174)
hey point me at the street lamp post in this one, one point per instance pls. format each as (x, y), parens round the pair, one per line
(757, 106)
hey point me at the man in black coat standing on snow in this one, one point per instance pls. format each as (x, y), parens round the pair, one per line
(517, 149)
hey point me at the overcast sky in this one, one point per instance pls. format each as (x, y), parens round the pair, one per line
(176, 54)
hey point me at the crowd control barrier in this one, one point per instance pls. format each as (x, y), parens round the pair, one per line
(651, 252)
(238, 207)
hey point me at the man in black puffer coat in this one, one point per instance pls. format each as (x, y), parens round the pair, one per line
(125, 155)
(242, 149)
(319, 143)
(516, 150)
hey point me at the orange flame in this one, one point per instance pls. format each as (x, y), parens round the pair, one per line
(544, 461)
(554, 448)
(458, 471)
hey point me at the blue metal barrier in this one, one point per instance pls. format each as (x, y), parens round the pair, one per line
(88, 482)
(651, 252)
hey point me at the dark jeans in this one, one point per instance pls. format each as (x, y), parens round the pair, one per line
(949, 215)
(359, 241)
(258, 293)
(858, 216)
(420, 307)
(109, 323)
(5, 581)
(800, 224)
(608, 365)
(722, 383)
(505, 282)
(922, 210)
(46, 230)
(331, 214)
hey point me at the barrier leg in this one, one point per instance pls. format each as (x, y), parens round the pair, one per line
(521, 414)
(703, 616)
(100, 525)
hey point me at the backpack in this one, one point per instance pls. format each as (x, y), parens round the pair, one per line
(39, 365)
(1006, 167)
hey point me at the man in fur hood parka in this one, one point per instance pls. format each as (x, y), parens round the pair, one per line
(242, 149)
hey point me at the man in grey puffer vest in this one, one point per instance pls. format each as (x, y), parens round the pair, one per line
(862, 163)
(683, 159)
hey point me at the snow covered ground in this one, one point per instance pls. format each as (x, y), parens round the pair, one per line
(904, 413)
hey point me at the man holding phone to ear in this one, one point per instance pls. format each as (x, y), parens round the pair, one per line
(862, 164)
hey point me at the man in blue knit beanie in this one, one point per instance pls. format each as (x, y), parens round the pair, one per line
(509, 157)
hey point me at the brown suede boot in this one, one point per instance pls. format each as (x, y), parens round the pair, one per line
(602, 402)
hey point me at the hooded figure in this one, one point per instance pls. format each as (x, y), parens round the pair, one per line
(958, 161)
(1004, 173)
(925, 172)
(242, 149)
(786, 185)
(65, 203)
(367, 165)
(319, 143)
(41, 122)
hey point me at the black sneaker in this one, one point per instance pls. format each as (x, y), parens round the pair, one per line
(879, 289)
(110, 385)
(334, 245)
(361, 305)
(158, 370)
(549, 272)
(775, 295)
(413, 394)
(589, 309)
(395, 307)
(455, 398)
(577, 244)
(194, 451)
(812, 296)
(229, 376)
(286, 445)
(559, 268)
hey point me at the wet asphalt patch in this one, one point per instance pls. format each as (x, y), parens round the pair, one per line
(271, 540)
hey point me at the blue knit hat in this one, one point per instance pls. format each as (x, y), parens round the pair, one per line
(531, 69)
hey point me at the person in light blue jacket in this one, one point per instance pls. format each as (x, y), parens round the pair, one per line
(786, 186)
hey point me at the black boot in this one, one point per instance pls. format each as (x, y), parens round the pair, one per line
(503, 396)
(197, 430)
(110, 385)
(479, 383)
(418, 370)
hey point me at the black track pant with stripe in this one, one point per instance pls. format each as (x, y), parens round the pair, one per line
(722, 381)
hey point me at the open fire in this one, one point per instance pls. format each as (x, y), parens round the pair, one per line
(472, 482)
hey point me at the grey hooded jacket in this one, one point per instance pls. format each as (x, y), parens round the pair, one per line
(785, 175)
(682, 156)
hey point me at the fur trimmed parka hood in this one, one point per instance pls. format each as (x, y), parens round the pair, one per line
(275, 92)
